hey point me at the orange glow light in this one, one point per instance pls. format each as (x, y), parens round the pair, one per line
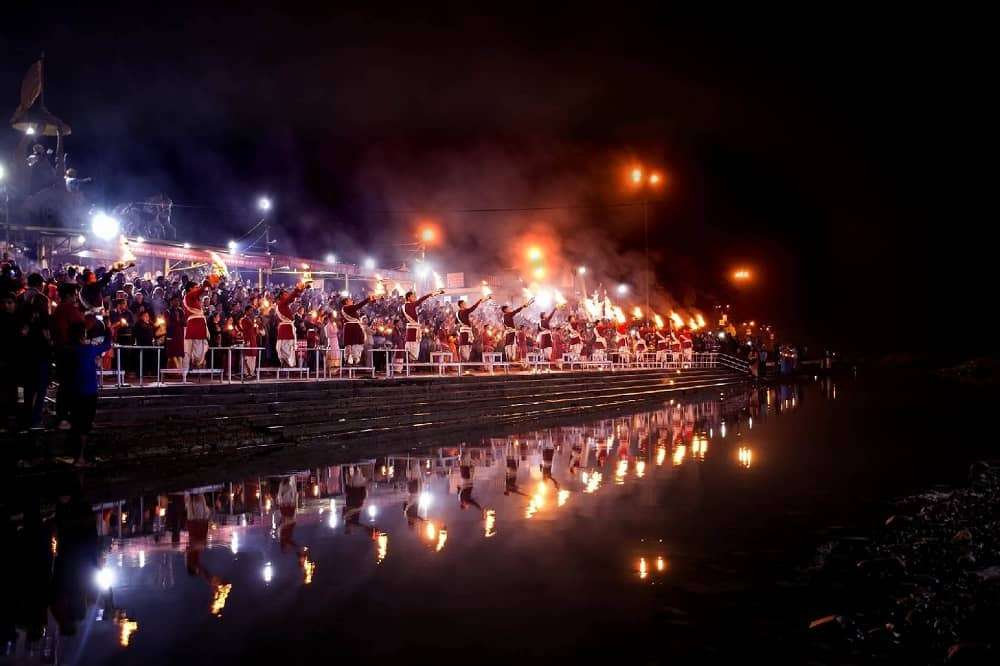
(636, 175)
(654, 179)
(741, 275)
(534, 253)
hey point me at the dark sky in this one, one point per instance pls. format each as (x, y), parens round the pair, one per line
(833, 152)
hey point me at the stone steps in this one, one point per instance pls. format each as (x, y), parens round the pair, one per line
(165, 408)
(220, 419)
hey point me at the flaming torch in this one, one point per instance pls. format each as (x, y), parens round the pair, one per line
(676, 320)
(659, 321)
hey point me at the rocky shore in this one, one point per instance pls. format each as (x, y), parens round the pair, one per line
(923, 588)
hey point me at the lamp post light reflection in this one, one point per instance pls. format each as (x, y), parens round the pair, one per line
(268, 573)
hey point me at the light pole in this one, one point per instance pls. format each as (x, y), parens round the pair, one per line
(264, 206)
(6, 209)
(641, 181)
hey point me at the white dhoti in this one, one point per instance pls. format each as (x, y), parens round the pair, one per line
(688, 356)
(510, 351)
(249, 363)
(194, 354)
(412, 345)
(576, 349)
(353, 353)
(286, 353)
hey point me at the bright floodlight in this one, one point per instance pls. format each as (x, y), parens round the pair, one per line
(534, 253)
(81, 239)
(104, 226)
(622, 289)
(140, 239)
(1, 172)
(654, 179)
(423, 270)
(104, 578)
(369, 263)
(264, 204)
(187, 246)
(232, 246)
(268, 572)
(427, 234)
(637, 175)
(582, 270)
(30, 131)
(331, 259)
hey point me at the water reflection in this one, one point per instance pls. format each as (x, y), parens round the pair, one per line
(281, 526)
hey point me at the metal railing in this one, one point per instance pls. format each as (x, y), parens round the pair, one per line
(396, 361)
(733, 363)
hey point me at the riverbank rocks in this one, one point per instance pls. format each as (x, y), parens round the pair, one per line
(924, 588)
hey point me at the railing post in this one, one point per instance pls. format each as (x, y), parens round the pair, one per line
(119, 378)
(159, 379)
(141, 354)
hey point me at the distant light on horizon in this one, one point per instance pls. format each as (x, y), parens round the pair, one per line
(187, 246)
(741, 275)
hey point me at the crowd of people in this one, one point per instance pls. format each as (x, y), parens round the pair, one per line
(61, 325)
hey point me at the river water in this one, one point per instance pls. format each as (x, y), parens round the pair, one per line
(672, 534)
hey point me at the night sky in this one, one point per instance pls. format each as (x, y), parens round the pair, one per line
(831, 152)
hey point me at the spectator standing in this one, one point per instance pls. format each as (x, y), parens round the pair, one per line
(35, 350)
(176, 321)
(83, 394)
(10, 338)
(67, 314)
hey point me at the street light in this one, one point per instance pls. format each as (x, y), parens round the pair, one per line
(6, 208)
(582, 270)
(369, 263)
(640, 180)
(264, 204)
(81, 239)
(232, 246)
(331, 259)
(622, 289)
(104, 226)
